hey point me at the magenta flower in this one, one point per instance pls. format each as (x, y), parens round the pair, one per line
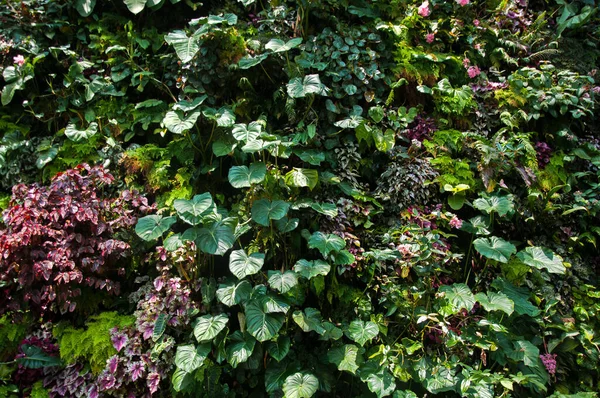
(462, 3)
(430, 37)
(424, 10)
(549, 361)
(476, 22)
(456, 222)
(466, 62)
(19, 60)
(596, 90)
(473, 72)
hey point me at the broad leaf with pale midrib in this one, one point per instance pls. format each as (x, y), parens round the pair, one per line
(153, 226)
(260, 324)
(244, 177)
(300, 385)
(191, 211)
(495, 248)
(361, 331)
(264, 210)
(541, 258)
(189, 357)
(242, 264)
(208, 327)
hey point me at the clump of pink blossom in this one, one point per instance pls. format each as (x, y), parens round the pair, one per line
(430, 37)
(462, 3)
(456, 222)
(473, 72)
(424, 9)
(19, 60)
(466, 62)
(549, 361)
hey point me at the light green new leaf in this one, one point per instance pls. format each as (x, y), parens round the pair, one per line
(264, 210)
(279, 46)
(496, 302)
(540, 258)
(189, 357)
(361, 331)
(260, 324)
(300, 385)
(208, 327)
(310, 269)
(498, 204)
(280, 348)
(216, 237)
(326, 243)
(176, 123)
(242, 265)
(192, 211)
(459, 296)
(185, 47)
(347, 357)
(310, 320)
(282, 282)
(240, 348)
(311, 84)
(153, 226)
(243, 132)
(76, 135)
(232, 294)
(244, 177)
(302, 178)
(495, 248)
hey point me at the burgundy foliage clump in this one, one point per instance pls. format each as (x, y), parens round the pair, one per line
(60, 238)
(421, 129)
(43, 339)
(543, 153)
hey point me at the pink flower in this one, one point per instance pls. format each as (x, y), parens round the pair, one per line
(456, 222)
(424, 10)
(19, 60)
(596, 90)
(462, 3)
(476, 22)
(430, 37)
(473, 72)
(466, 62)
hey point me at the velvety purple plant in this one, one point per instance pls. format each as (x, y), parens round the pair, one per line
(543, 153)
(420, 129)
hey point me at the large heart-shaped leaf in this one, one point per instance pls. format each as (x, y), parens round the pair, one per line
(495, 248)
(216, 237)
(459, 296)
(76, 135)
(497, 204)
(287, 224)
(361, 331)
(224, 117)
(189, 357)
(240, 348)
(244, 177)
(260, 324)
(191, 211)
(248, 62)
(328, 209)
(85, 7)
(300, 385)
(350, 123)
(302, 178)
(176, 123)
(135, 6)
(185, 47)
(232, 294)
(310, 320)
(242, 265)
(265, 210)
(208, 327)
(310, 269)
(153, 226)
(278, 46)
(272, 302)
(282, 282)
(379, 380)
(243, 132)
(280, 348)
(312, 157)
(541, 258)
(495, 302)
(347, 357)
(311, 84)
(326, 243)
(519, 295)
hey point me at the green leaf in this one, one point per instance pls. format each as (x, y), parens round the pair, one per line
(286, 224)
(541, 258)
(350, 123)
(361, 331)
(224, 117)
(495, 248)
(176, 123)
(244, 177)
(173, 242)
(312, 157)
(384, 141)
(496, 302)
(300, 385)
(459, 295)
(80, 135)
(310, 320)
(243, 132)
(216, 237)
(332, 332)
(181, 380)
(279, 46)
(275, 375)
(311, 84)
(325, 243)
(242, 265)
(135, 6)
(310, 269)
(526, 352)
(379, 380)
(232, 294)
(240, 348)
(85, 7)
(45, 156)
(260, 324)
(272, 302)
(328, 209)
(456, 201)
(153, 226)
(264, 210)
(36, 358)
(159, 326)
(192, 211)
(347, 357)
(223, 148)
(185, 47)
(280, 348)
(208, 327)
(302, 178)
(189, 357)
(495, 204)
(248, 62)
(519, 295)
(282, 282)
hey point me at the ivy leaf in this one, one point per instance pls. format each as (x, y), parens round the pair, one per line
(280, 348)
(189, 357)
(192, 211)
(325, 243)
(361, 331)
(176, 123)
(242, 265)
(459, 295)
(302, 178)
(282, 282)
(264, 210)
(260, 324)
(244, 177)
(542, 258)
(185, 47)
(36, 358)
(224, 117)
(496, 302)
(80, 135)
(347, 357)
(311, 84)
(240, 348)
(495, 204)
(300, 385)
(519, 295)
(279, 46)
(232, 294)
(495, 248)
(216, 237)
(159, 327)
(310, 269)
(152, 227)
(85, 7)
(243, 132)
(286, 224)
(208, 327)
